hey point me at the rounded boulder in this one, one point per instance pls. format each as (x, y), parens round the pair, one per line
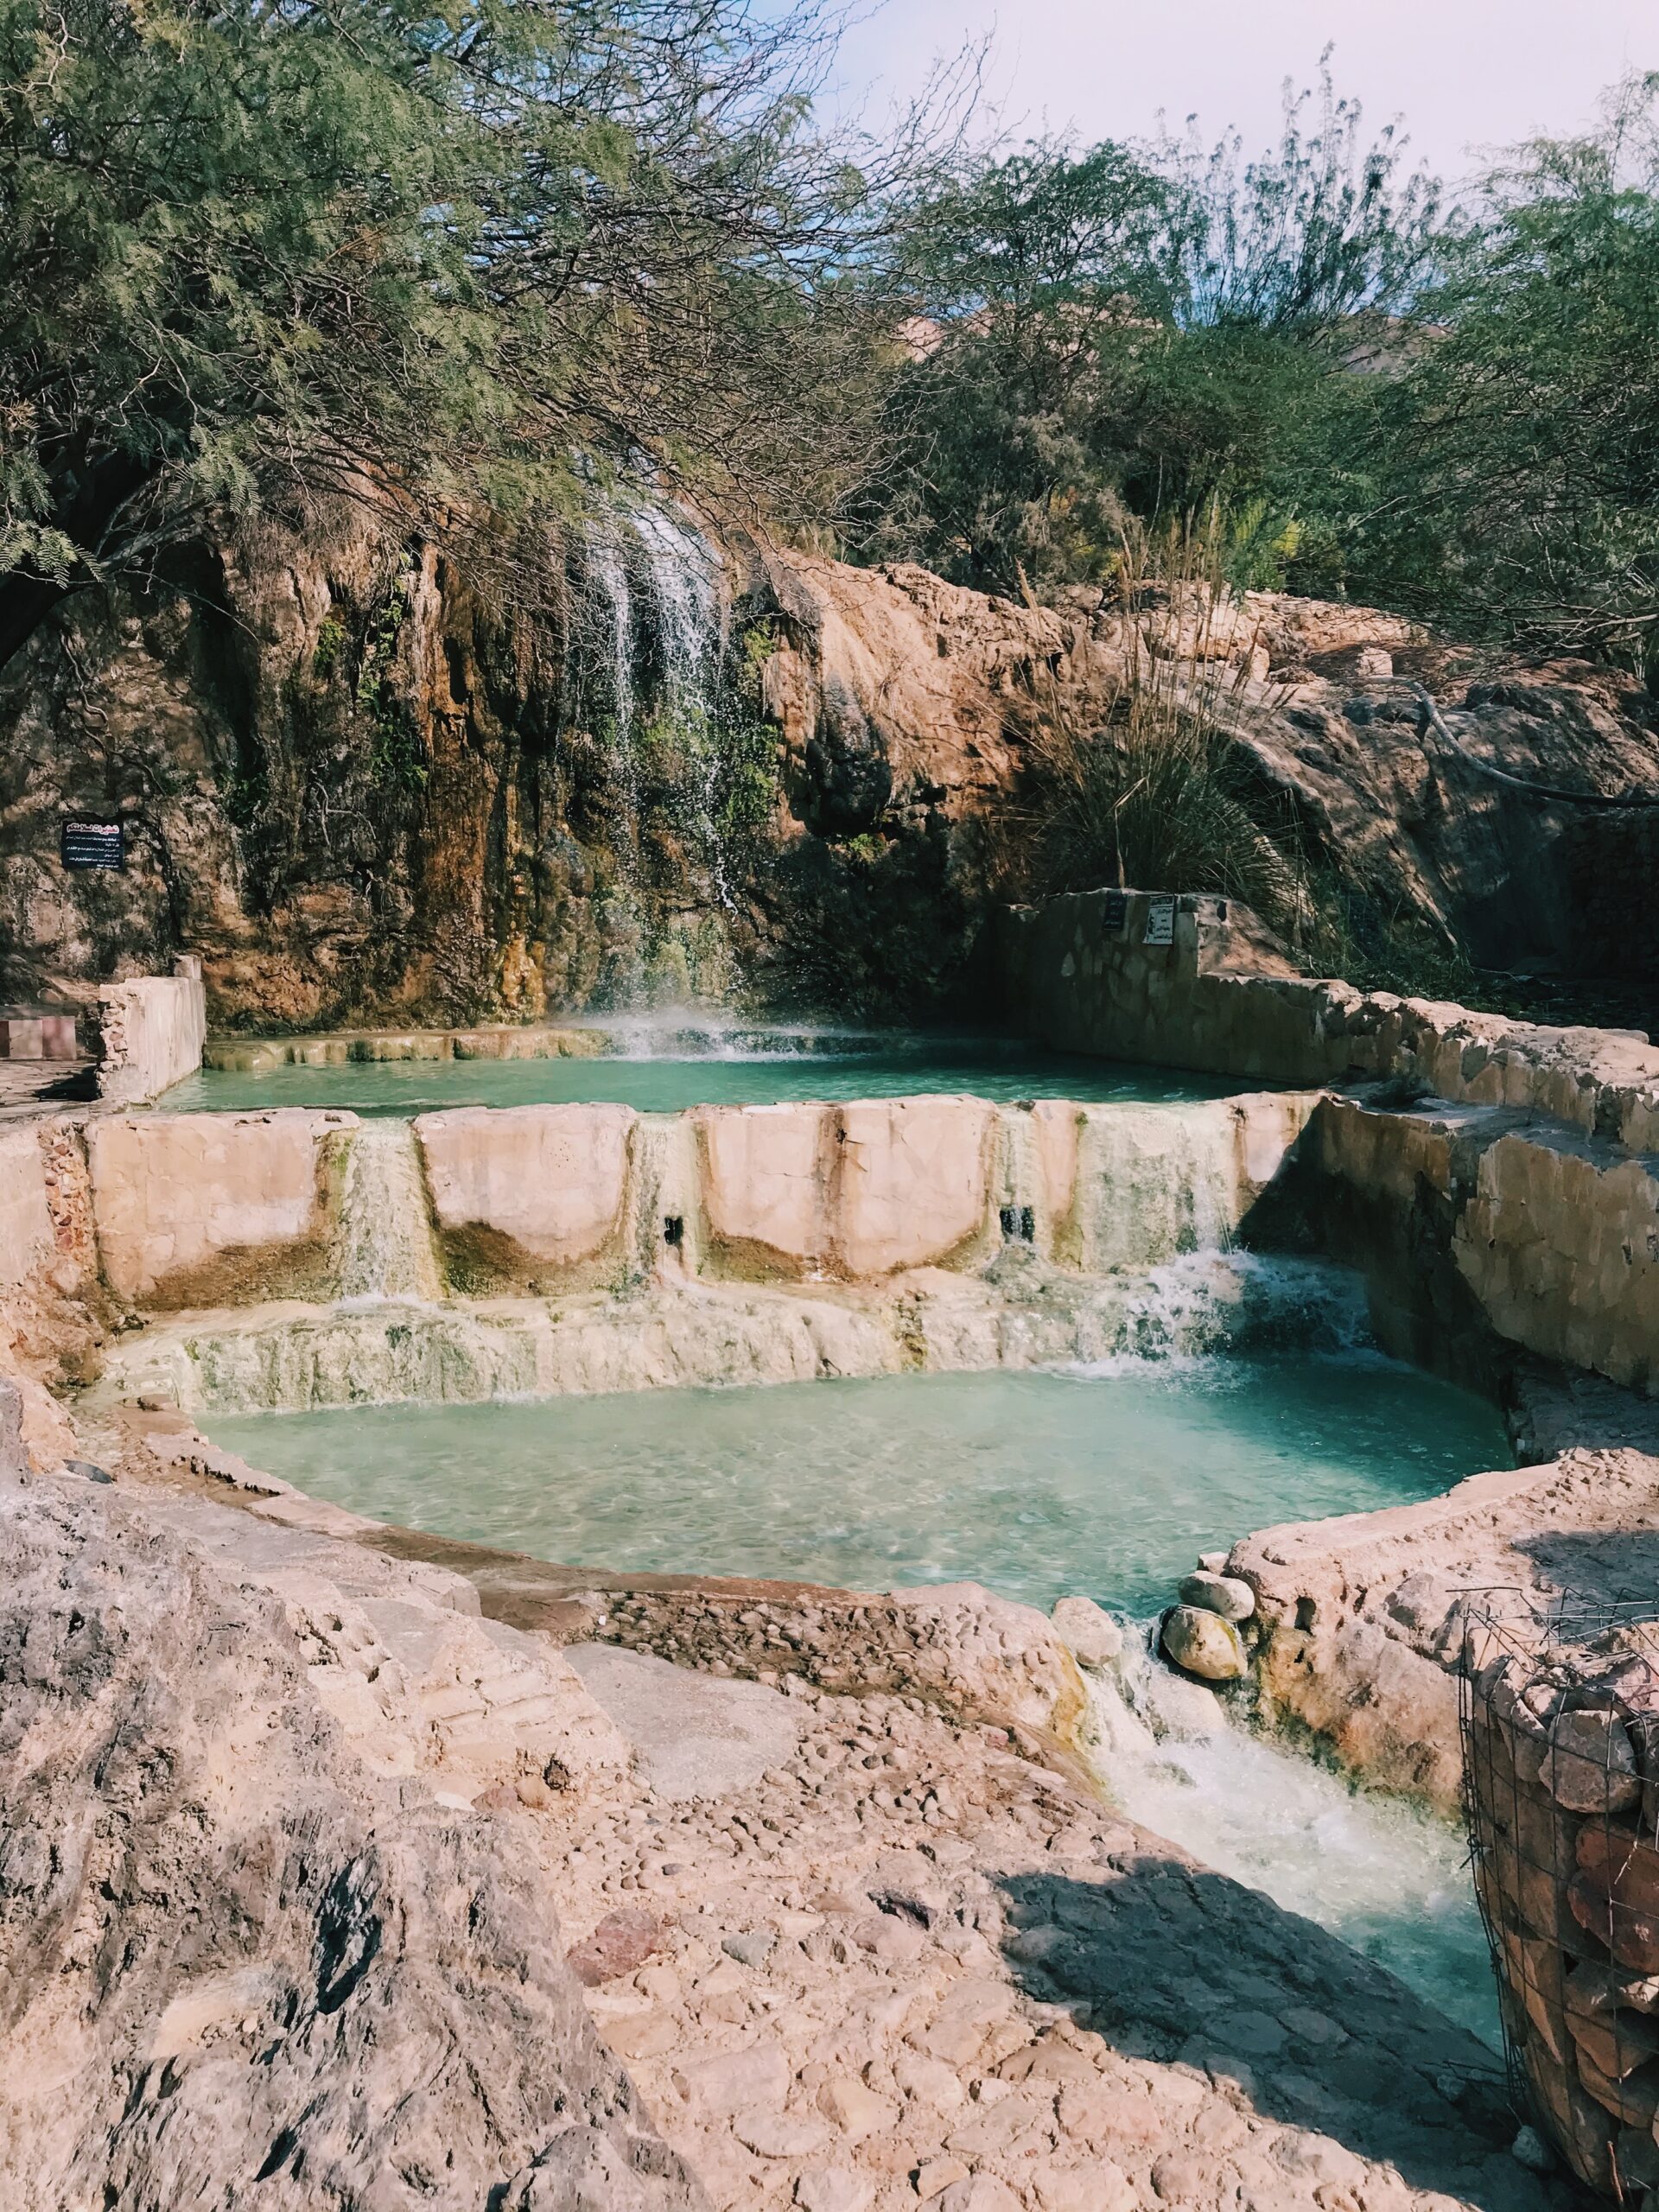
(1225, 1594)
(1200, 1643)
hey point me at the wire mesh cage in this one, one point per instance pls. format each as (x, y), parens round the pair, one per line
(1559, 1705)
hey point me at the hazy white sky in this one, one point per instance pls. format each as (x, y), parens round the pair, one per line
(1465, 74)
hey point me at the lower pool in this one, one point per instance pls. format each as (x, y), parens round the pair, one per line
(1102, 1483)
(1105, 1483)
(665, 1082)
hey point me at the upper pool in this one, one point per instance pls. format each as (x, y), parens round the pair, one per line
(666, 1082)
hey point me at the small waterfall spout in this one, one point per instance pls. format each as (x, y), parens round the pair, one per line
(386, 1248)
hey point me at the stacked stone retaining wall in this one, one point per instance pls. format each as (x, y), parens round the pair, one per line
(1498, 1182)
(1563, 1791)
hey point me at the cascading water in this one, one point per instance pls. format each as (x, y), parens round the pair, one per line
(642, 676)
(685, 571)
(605, 641)
(1387, 1879)
(612, 633)
(685, 584)
(386, 1247)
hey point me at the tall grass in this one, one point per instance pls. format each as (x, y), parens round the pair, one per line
(1160, 793)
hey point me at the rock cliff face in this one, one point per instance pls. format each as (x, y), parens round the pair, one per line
(365, 790)
(240, 1968)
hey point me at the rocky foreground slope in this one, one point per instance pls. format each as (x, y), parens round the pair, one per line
(296, 1837)
(239, 1967)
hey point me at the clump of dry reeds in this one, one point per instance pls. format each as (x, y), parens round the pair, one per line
(1160, 793)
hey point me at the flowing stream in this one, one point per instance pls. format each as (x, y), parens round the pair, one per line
(1388, 1877)
(386, 1248)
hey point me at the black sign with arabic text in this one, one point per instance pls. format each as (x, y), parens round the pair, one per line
(82, 844)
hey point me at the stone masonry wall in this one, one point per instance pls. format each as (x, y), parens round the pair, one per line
(192, 1211)
(1563, 1772)
(154, 1029)
(1495, 1180)
(207, 1208)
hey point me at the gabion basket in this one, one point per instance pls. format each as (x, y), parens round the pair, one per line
(1560, 1712)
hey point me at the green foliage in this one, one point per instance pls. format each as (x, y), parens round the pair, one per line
(1454, 415)
(748, 796)
(1509, 477)
(1025, 273)
(1328, 226)
(446, 261)
(331, 643)
(396, 758)
(709, 769)
(1136, 332)
(1161, 794)
(743, 744)
(245, 788)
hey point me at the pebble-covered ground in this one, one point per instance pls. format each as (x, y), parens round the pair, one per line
(864, 1952)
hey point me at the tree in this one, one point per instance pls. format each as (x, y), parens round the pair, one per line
(449, 260)
(1511, 471)
(1140, 331)
(1302, 240)
(1023, 273)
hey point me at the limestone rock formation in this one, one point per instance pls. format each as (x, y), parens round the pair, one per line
(237, 1969)
(1218, 1593)
(1088, 1633)
(362, 789)
(1361, 1621)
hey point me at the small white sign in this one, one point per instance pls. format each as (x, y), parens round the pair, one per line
(1161, 922)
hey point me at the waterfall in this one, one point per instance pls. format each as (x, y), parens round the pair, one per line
(643, 678)
(1153, 1181)
(386, 1247)
(684, 572)
(614, 627)
(1206, 1303)
(1386, 1877)
(652, 601)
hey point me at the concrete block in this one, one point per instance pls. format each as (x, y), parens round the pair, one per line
(21, 1038)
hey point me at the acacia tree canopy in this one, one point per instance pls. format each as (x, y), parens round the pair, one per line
(1509, 483)
(1453, 411)
(1134, 330)
(451, 251)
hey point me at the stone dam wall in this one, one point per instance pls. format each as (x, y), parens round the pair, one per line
(153, 1029)
(196, 1209)
(301, 1257)
(1498, 1182)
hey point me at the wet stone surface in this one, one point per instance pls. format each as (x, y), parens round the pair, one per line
(904, 1962)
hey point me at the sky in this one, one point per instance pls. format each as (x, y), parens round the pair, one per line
(1466, 74)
